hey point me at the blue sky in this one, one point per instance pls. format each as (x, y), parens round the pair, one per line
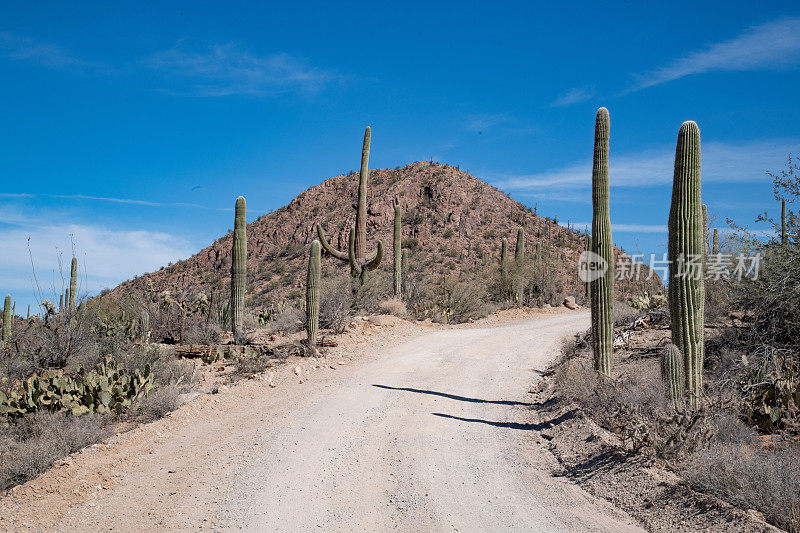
(134, 128)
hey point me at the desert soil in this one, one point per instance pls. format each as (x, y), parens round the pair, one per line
(411, 428)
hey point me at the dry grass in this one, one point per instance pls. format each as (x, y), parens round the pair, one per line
(394, 306)
(32, 445)
(751, 477)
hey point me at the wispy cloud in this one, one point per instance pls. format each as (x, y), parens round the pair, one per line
(573, 96)
(49, 55)
(130, 201)
(108, 256)
(482, 122)
(624, 228)
(731, 162)
(227, 69)
(771, 45)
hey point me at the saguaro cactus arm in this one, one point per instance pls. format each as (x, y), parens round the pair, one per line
(672, 373)
(328, 248)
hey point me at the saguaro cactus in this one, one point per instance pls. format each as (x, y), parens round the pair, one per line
(519, 263)
(398, 253)
(504, 268)
(144, 322)
(73, 284)
(357, 242)
(602, 288)
(239, 266)
(715, 242)
(7, 318)
(672, 373)
(588, 249)
(685, 248)
(784, 235)
(312, 293)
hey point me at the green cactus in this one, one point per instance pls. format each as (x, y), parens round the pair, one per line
(602, 289)
(398, 253)
(360, 264)
(7, 318)
(685, 249)
(144, 323)
(505, 274)
(104, 389)
(60, 303)
(784, 235)
(73, 284)
(715, 242)
(519, 263)
(312, 293)
(672, 373)
(588, 249)
(239, 266)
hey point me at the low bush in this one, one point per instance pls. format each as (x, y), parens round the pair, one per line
(394, 306)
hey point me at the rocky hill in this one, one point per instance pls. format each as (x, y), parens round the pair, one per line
(453, 225)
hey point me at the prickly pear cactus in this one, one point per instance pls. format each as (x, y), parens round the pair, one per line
(239, 266)
(685, 249)
(602, 289)
(312, 293)
(672, 374)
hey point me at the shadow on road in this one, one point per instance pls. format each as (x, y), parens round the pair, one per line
(513, 425)
(453, 396)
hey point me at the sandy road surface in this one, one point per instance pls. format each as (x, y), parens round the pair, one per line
(424, 434)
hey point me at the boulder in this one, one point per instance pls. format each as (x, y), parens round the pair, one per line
(569, 303)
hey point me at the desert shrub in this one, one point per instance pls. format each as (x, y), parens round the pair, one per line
(376, 288)
(37, 441)
(459, 302)
(290, 320)
(624, 314)
(335, 303)
(394, 306)
(751, 476)
(203, 333)
(634, 407)
(158, 403)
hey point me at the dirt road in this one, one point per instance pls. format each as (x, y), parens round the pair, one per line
(426, 434)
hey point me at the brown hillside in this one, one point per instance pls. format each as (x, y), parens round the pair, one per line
(453, 224)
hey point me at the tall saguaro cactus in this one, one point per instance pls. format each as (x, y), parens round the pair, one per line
(685, 248)
(784, 235)
(73, 284)
(357, 242)
(7, 318)
(312, 293)
(715, 242)
(239, 266)
(504, 268)
(519, 263)
(602, 288)
(397, 243)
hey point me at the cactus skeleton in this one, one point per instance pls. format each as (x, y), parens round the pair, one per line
(239, 266)
(685, 245)
(357, 241)
(602, 288)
